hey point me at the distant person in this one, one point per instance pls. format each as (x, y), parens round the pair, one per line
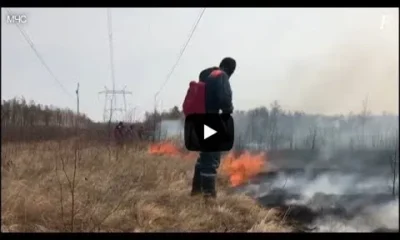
(134, 132)
(129, 132)
(140, 132)
(218, 98)
(119, 133)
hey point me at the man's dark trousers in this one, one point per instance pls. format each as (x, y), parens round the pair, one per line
(205, 173)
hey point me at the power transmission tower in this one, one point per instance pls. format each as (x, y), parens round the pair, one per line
(111, 102)
(108, 112)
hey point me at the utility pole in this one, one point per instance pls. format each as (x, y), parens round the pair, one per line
(134, 114)
(77, 99)
(77, 107)
(155, 116)
(108, 112)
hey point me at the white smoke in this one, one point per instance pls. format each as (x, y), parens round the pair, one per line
(381, 216)
(367, 200)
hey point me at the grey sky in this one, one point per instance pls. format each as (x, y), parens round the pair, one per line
(315, 60)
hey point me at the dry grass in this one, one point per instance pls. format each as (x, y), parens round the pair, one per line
(116, 191)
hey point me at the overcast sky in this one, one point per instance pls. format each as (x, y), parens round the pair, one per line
(315, 60)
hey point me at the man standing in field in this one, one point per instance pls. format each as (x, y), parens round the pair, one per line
(119, 133)
(218, 98)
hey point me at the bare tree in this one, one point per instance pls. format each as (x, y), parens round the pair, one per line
(394, 164)
(363, 118)
(272, 127)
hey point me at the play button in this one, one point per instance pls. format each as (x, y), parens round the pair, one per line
(208, 132)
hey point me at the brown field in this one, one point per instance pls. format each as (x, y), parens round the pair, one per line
(116, 190)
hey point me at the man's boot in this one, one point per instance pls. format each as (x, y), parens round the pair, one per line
(208, 185)
(196, 183)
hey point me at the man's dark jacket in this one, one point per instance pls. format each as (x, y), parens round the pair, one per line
(218, 91)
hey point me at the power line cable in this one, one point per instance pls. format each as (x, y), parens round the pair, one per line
(110, 35)
(181, 52)
(109, 22)
(173, 69)
(32, 45)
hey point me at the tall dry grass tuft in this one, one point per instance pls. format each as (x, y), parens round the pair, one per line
(128, 192)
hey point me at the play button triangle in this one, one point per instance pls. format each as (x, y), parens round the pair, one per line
(208, 132)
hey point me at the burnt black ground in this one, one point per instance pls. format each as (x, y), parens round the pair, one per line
(321, 205)
(303, 169)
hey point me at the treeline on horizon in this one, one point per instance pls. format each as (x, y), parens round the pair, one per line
(31, 121)
(275, 128)
(23, 121)
(272, 127)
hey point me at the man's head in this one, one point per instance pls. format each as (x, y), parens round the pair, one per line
(228, 65)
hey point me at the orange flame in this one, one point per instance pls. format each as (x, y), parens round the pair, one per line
(165, 148)
(240, 169)
(169, 149)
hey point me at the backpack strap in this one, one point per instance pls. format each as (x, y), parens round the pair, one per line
(216, 73)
